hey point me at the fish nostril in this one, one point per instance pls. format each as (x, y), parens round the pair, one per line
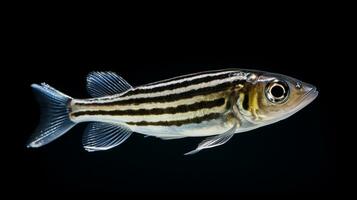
(298, 85)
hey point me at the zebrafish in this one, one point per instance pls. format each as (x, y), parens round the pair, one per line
(217, 104)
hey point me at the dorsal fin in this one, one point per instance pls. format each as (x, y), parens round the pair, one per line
(106, 83)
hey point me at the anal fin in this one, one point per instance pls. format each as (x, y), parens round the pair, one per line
(103, 136)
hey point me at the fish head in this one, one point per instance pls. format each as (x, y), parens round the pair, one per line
(271, 97)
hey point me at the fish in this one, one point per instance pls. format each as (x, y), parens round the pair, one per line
(212, 104)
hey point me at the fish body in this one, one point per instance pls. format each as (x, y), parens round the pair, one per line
(214, 103)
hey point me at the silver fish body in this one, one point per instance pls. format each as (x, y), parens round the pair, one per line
(215, 103)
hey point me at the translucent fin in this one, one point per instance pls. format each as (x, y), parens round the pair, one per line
(54, 120)
(106, 83)
(103, 136)
(214, 141)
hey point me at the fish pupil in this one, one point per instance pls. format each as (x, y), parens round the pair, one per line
(277, 91)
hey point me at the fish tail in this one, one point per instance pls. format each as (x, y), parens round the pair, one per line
(54, 121)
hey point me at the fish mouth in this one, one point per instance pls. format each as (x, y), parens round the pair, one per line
(310, 96)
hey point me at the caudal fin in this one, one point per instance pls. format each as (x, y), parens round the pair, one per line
(54, 120)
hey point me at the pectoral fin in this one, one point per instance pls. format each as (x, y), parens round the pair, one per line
(214, 141)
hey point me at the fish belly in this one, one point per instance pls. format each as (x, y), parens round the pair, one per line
(205, 128)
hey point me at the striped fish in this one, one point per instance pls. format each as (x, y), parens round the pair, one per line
(217, 104)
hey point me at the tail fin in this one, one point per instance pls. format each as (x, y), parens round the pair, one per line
(55, 119)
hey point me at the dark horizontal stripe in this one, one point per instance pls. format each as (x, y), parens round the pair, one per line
(169, 98)
(157, 111)
(195, 120)
(175, 85)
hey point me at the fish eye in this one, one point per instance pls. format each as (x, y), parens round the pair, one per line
(277, 91)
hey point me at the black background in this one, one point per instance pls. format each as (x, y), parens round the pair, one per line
(292, 156)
